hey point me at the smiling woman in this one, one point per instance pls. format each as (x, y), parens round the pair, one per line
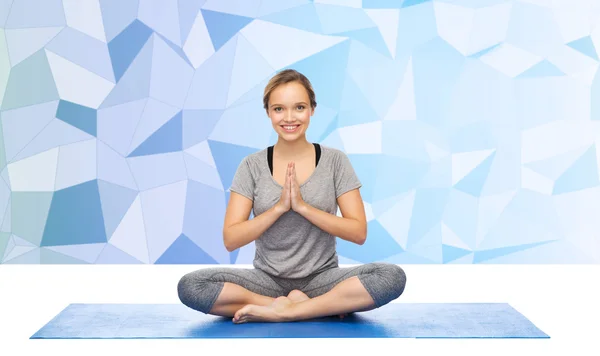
(294, 188)
(289, 100)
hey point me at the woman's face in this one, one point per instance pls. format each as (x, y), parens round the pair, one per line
(290, 110)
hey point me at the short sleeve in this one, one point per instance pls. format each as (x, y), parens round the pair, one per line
(243, 182)
(345, 177)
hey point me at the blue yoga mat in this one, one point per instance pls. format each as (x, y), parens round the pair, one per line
(394, 320)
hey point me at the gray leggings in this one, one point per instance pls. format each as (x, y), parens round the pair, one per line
(199, 289)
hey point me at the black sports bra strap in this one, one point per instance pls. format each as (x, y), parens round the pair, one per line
(270, 156)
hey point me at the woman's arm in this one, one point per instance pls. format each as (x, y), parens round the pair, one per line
(352, 226)
(238, 231)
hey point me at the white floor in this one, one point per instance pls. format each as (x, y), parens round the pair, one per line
(562, 300)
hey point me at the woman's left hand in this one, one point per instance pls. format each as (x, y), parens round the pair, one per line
(297, 201)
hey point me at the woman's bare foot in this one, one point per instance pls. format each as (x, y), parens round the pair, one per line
(298, 296)
(276, 312)
(273, 313)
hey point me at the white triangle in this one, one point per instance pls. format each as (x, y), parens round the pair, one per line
(362, 138)
(454, 25)
(387, 22)
(36, 173)
(198, 46)
(130, 235)
(24, 42)
(201, 172)
(451, 239)
(262, 35)
(435, 153)
(85, 16)
(203, 153)
(404, 107)
(77, 84)
(464, 163)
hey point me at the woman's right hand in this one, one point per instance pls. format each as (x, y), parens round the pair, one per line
(285, 201)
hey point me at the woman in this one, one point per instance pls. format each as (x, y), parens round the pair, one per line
(295, 188)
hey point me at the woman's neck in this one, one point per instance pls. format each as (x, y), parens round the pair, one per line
(293, 149)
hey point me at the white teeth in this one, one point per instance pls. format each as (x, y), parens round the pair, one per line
(289, 127)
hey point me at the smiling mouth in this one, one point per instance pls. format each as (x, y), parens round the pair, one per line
(290, 128)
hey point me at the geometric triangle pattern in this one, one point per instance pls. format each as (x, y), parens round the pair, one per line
(473, 125)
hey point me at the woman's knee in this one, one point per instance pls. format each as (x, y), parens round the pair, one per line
(196, 290)
(394, 276)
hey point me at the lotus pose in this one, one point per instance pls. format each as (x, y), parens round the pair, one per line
(294, 189)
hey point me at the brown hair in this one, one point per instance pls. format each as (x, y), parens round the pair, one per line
(287, 76)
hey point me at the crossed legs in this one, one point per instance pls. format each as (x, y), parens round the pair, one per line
(251, 295)
(346, 297)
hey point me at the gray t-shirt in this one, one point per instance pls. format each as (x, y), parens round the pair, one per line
(293, 247)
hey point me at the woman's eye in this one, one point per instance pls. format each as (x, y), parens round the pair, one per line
(301, 107)
(277, 109)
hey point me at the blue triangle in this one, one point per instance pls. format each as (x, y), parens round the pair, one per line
(176, 49)
(542, 69)
(198, 124)
(581, 175)
(184, 251)
(82, 117)
(303, 17)
(134, 84)
(585, 46)
(473, 182)
(222, 26)
(485, 51)
(168, 138)
(333, 125)
(408, 3)
(503, 251)
(115, 201)
(227, 159)
(452, 253)
(124, 48)
(370, 37)
(75, 217)
(379, 245)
